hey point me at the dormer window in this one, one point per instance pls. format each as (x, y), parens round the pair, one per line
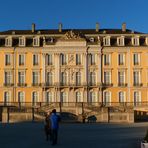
(120, 41)
(106, 41)
(36, 41)
(8, 41)
(135, 41)
(22, 41)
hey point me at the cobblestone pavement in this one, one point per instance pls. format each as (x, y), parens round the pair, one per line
(98, 135)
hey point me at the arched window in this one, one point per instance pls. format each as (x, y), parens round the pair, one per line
(49, 78)
(78, 78)
(64, 98)
(21, 98)
(35, 98)
(137, 98)
(78, 96)
(7, 98)
(92, 97)
(64, 79)
(121, 97)
(49, 97)
(107, 98)
(92, 78)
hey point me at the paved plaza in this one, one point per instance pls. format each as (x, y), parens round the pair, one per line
(94, 135)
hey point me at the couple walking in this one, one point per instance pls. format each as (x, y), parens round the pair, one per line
(52, 126)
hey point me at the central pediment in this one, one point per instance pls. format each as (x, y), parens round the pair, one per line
(71, 38)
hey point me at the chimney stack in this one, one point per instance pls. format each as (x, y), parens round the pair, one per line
(124, 27)
(60, 27)
(97, 27)
(33, 27)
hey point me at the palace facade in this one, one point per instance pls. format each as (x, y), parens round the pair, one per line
(74, 65)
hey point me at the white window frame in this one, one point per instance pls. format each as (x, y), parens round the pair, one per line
(135, 41)
(120, 63)
(22, 41)
(137, 102)
(34, 102)
(78, 97)
(138, 59)
(8, 42)
(120, 41)
(35, 57)
(107, 59)
(9, 98)
(21, 57)
(36, 41)
(121, 100)
(8, 60)
(106, 41)
(109, 97)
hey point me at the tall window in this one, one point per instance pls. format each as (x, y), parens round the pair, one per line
(7, 59)
(64, 79)
(107, 77)
(137, 78)
(121, 97)
(106, 41)
(49, 97)
(7, 99)
(21, 98)
(92, 59)
(78, 96)
(49, 78)
(22, 41)
(63, 59)
(8, 78)
(78, 59)
(92, 78)
(36, 41)
(64, 98)
(21, 77)
(35, 59)
(121, 60)
(107, 59)
(92, 97)
(21, 59)
(137, 98)
(35, 78)
(78, 78)
(49, 59)
(107, 98)
(35, 98)
(136, 59)
(121, 77)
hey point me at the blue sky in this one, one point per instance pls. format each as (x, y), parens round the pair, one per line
(46, 14)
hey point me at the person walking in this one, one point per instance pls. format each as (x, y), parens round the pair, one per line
(47, 126)
(54, 119)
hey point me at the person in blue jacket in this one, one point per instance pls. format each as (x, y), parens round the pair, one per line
(54, 119)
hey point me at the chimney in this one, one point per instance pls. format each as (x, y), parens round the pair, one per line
(33, 27)
(97, 27)
(124, 27)
(60, 27)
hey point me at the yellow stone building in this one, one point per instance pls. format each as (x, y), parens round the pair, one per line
(101, 66)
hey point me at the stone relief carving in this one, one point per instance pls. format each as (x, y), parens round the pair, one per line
(71, 35)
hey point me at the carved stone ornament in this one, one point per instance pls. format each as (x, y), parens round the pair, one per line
(71, 35)
(71, 58)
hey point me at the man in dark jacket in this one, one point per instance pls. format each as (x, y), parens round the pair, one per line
(54, 119)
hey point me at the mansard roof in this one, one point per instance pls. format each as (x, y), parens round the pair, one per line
(56, 31)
